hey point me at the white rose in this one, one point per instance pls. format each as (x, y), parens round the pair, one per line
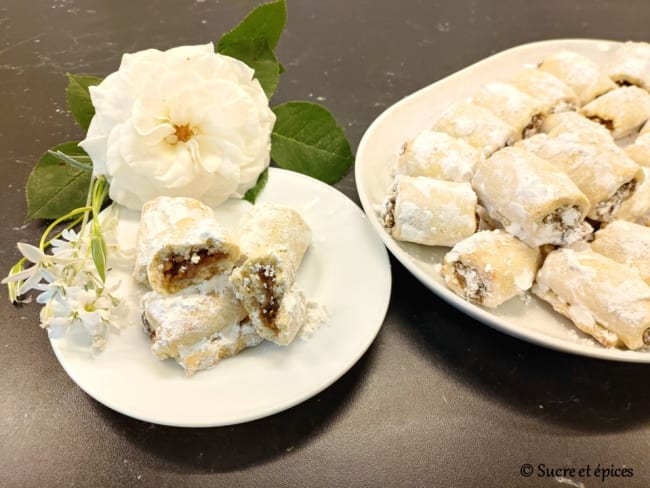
(182, 122)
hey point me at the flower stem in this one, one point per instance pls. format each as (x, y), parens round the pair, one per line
(14, 286)
(81, 210)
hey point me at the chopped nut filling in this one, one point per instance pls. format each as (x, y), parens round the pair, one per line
(605, 210)
(148, 328)
(609, 124)
(625, 83)
(177, 266)
(389, 211)
(533, 127)
(646, 336)
(563, 220)
(564, 107)
(473, 287)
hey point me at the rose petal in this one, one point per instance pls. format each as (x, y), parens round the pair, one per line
(134, 138)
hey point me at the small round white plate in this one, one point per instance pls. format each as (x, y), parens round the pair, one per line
(528, 318)
(346, 270)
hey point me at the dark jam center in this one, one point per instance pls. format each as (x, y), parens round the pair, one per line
(178, 266)
(270, 305)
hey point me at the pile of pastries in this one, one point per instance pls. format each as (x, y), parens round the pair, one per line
(216, 291)
(542, 183)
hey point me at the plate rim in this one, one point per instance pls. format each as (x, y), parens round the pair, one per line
(473, 311)
(381, 309)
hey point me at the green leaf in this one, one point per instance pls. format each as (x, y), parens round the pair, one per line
(265, 22)
(55, 188)
(78, 97)
(252, 194)
(257, 54)
(307, 139)
(253, 41)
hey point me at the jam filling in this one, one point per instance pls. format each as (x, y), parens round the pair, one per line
(270, 304)
(177, 266)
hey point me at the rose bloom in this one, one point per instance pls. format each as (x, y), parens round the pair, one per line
(183, 122)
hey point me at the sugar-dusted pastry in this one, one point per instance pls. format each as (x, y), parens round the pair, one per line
(159, 215)
(274, 228)
(555, 95)
(602, 172)
(627, 243)
(581, 127)
(227, 342)
(276, 306)
(630, 65)
(490, 267)
(191, 252)
(485, 222)
(429, 211)
(531, 197)
(281, 324)
(639, 150)
(637, 207)
(582, 74)
(603, 298)
(438, 155)
(273, 240)
(477, 126)
(523, 112)
(187, 318)
(622, 110)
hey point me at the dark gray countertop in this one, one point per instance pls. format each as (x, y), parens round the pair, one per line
(438, 400)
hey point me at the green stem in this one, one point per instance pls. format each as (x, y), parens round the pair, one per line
(68, 216)
(72, 225)
(14, 286)
(75, 163)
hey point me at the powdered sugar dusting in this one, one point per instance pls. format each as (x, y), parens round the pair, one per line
(430, 211)
(317, 315)
(477, 126)
(579, 72)
(509, 104)
(553, 92)
(438, 155)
